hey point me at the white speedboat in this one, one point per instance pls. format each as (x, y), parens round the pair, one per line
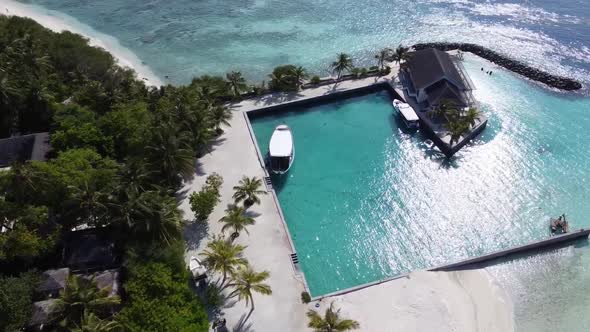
(197, 269)
(281, 150)
(407, 113)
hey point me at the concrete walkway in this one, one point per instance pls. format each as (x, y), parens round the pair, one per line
(232, 156)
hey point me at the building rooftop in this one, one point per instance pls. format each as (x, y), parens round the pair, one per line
(443, 90)
(23, 148)
(89, 250)
(430, 65)
(42, 311)
(53, 281)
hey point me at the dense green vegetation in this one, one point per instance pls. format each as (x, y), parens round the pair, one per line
(203, 202)
(120, 152)
(16, 296)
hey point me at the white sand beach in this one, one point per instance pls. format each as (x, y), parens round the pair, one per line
(57, 21)
(431, 301)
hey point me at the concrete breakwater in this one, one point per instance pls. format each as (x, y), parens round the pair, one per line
(558, 82)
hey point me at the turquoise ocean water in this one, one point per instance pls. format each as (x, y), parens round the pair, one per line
(395, 204)
(366, 200)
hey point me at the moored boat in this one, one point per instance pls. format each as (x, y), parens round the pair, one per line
(281, 150)
(407, 114)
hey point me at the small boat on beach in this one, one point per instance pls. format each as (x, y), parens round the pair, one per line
(197, 269)
(407, 114)
(281, 150)
(558, 225)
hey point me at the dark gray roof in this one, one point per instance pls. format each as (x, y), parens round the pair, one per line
(23, 148)
(430, 65)
(53, 280)
(42, 311)
(89, 250)
(443, 90)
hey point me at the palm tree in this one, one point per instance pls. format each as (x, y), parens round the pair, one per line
(383, 55)
(245, 281)
(87, 204)
(224, 257)
(300, 75)
(248, 191)
(91, 323)
(237, 82)
(79, 296)
(236, 220)
(220, 115)
(401, 53)
(153, 216)
(171, 154)
(331, 321)
(456, 128)
(344, 62)
(471, 116)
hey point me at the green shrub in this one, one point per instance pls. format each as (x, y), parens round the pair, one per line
(373, 68)
(305, 297)
(214, 182)
(315, 80)
(203, 202)
(356, 71)
(16, 300)
(159, 299)
(363, 72)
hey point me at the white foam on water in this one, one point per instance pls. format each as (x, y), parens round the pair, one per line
(58, 22)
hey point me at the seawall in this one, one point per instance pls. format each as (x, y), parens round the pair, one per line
(554, 81)
(536, 246)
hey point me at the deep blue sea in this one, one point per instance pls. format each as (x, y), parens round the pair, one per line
(532, 161)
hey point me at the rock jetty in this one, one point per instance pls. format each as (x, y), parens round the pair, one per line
(558, 82)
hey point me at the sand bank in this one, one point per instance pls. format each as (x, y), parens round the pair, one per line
(57, 21)
(431, 301)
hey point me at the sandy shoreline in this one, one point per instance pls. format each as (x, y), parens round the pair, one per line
(468, 300)
(57, 21)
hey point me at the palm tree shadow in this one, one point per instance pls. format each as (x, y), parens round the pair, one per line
(242, 326)
(216, 142)
(252, 214)
(199, 168)
(279, 97)
(182, 194)
(194, 233)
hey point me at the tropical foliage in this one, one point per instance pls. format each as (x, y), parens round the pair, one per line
(400, 54)
(342, 64)
(236, 220)
(160, 299)
(203, 202)
(120, 152)
(456, 121)
(246, 281)
(236, 82)
(224, 257)
(287, 78)
(382, 56)
(16, 300)
(331, 321)
(248, 191)
(80, 296)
